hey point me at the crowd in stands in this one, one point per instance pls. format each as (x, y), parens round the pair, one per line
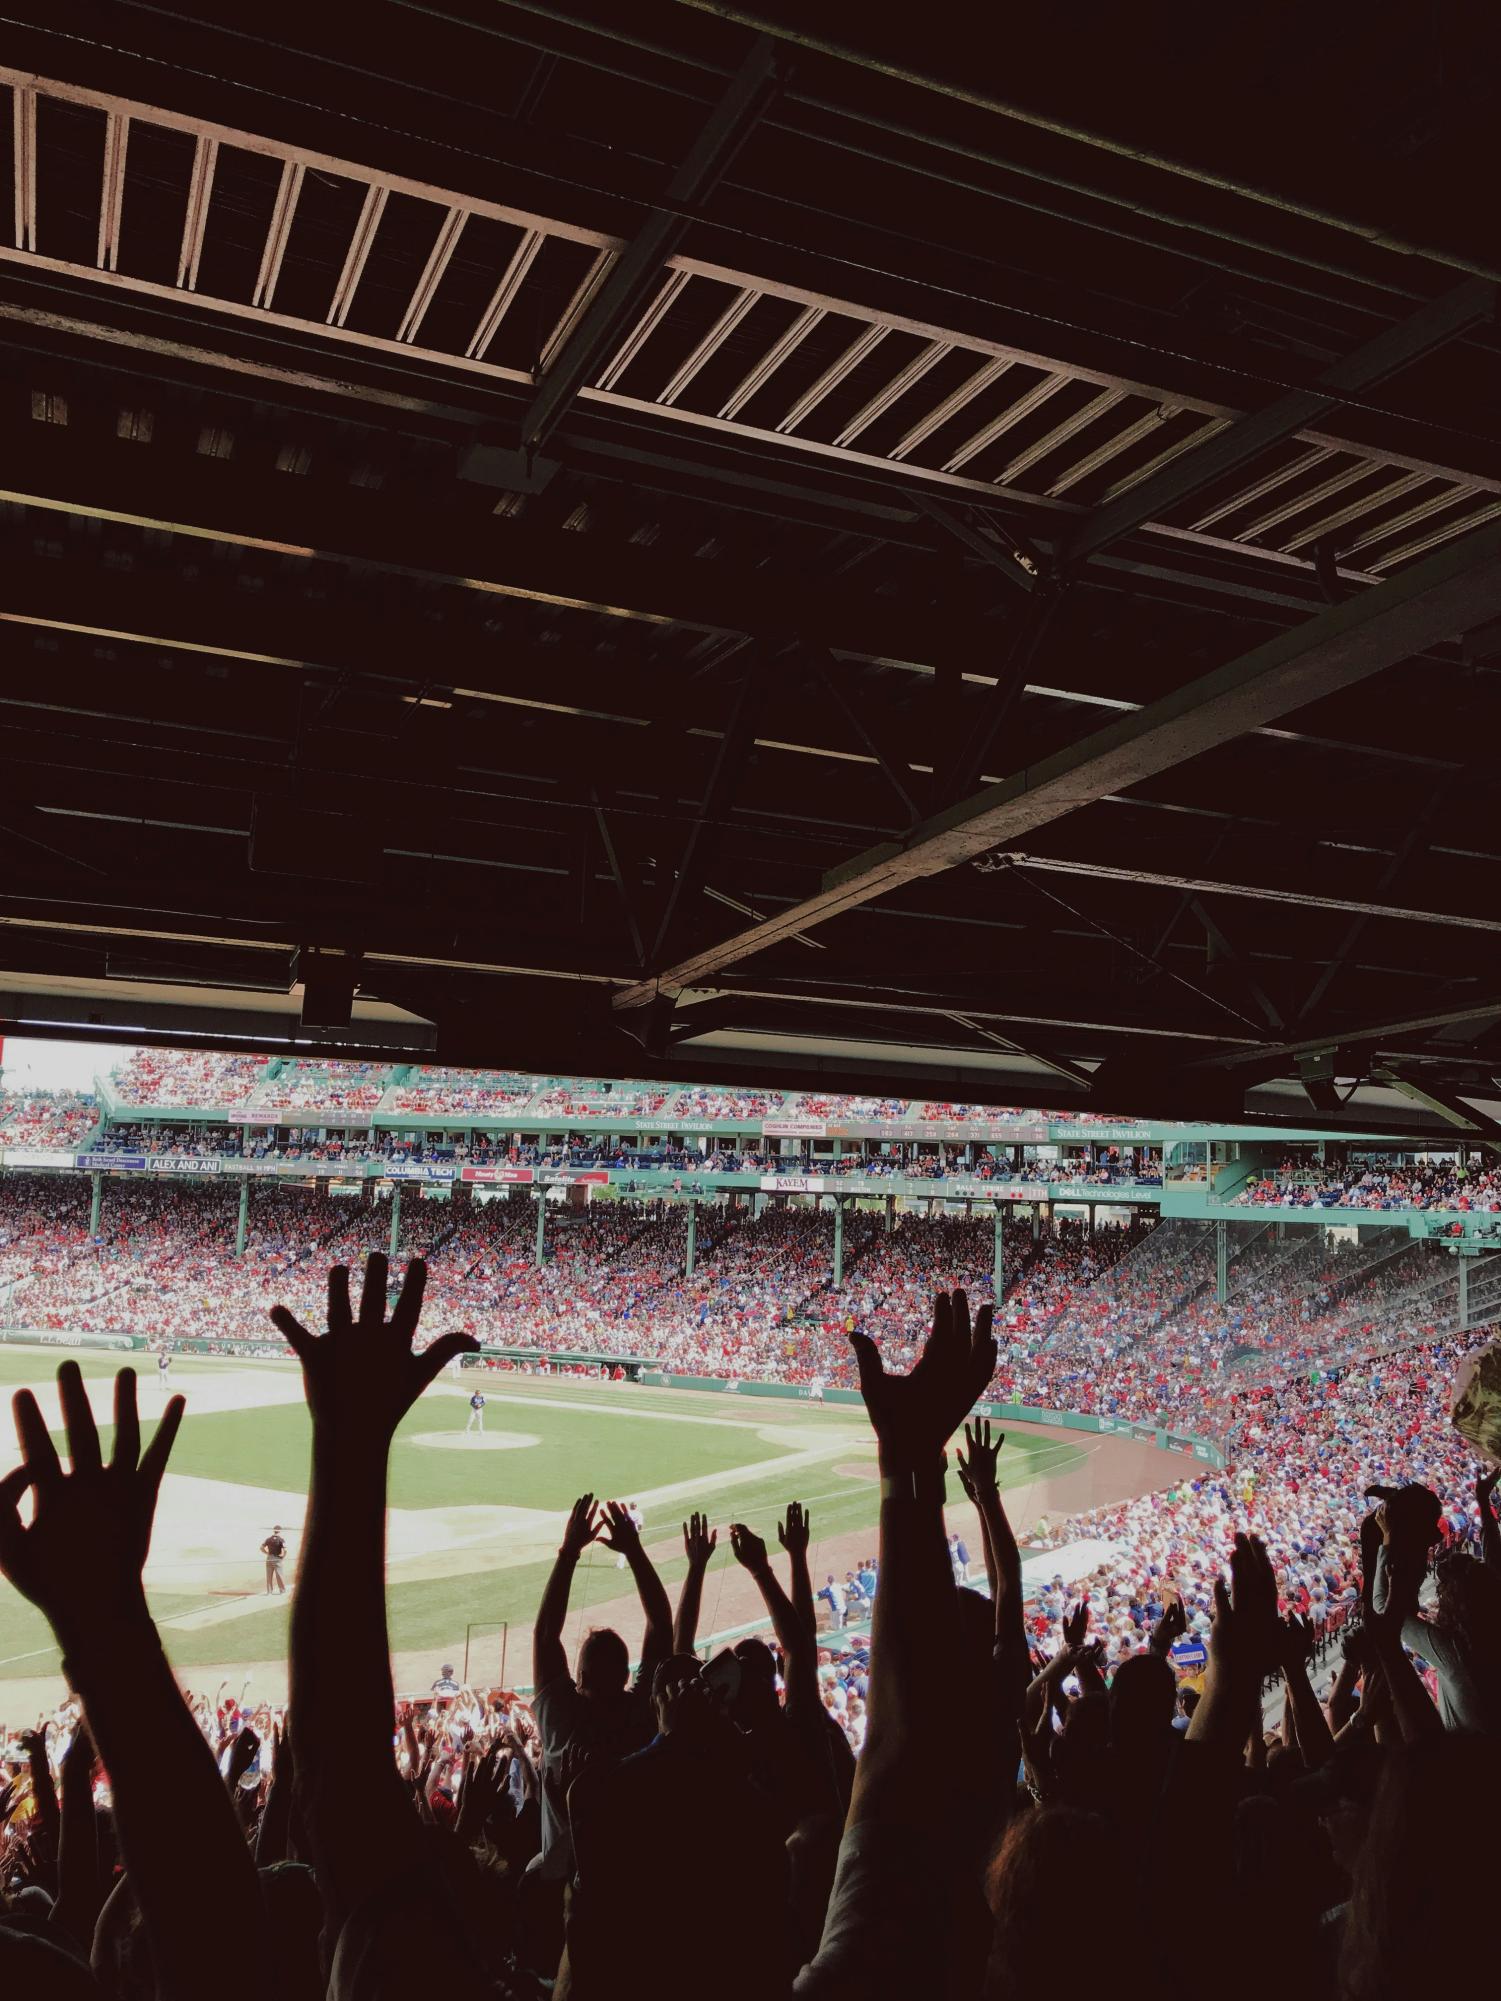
(726, 1104)
(54, 1121)
(996, 1791)
(1390, 1183)
(218, 1082)
(461, 1093)
(187, 1077)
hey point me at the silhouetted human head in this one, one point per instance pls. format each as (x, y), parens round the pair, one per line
(1403, 1934)
(679, 1696)
(756, 1699)
(1048, 1857)
(604, 1663)
(1469, 1606)
(1142, 1699)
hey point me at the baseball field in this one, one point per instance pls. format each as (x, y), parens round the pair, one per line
(474, 1518)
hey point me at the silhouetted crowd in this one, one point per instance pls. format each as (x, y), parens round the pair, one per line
(980, 1802)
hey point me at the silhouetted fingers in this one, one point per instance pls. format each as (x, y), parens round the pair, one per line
(127, 1422)
(340, 1318)
(442, 1352)
(868, 1362)
(408, 1309)
(292, 1331)
(373, 1296)
(159, 1451)
(78, 1417)
(35, 1442)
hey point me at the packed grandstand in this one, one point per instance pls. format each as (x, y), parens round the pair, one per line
(1294, 1362)
(1279, 1360)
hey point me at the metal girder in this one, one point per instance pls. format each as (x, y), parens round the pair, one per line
(894, 768)
(290, 517)
(1303, 899)
(1011, 557)
(1232, 956)
(617, 876)
(1032, 630)
(1453, 590)
(1441, 320)
(639, 268)
(731, 755)
(1365, 1036)
(1411, 844)
(1450, 1107)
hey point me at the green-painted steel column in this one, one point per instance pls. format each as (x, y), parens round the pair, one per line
(541, 1228)
(890, 1214)
(395, 1218)
(1221, 1260)
(999, 1279)
(94, 1203)
(1464, 1291)
(240, 1226)
(838, 1243)
(692, 1239)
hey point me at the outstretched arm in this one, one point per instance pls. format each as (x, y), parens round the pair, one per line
(699, 1544)
(360, 1379)
(796, 1632)
(1314, 1737)
(915, 1628)
(1243, 1646)
(621, 1534)
(549, 1662)
(80, 1561)
(1003, 1563)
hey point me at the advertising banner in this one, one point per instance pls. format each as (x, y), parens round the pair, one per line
(597, 1177)
(36, 1156)
(253, 1118)
(795, 1128)
(185, 1163)
(112, 1163)
(415, 1170)
(793, 1184)
(496, 1174)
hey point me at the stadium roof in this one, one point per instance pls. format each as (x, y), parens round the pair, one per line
(649, 535)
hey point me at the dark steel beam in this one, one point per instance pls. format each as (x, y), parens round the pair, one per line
(1457, 588)
(1448, 1104)
(639, 268)
(1441, 320)
(1233, 957)
(1363, 1036)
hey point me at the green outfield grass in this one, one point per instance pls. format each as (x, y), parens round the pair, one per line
(609, 1438)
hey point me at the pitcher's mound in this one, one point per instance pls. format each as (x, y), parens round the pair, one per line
(475, 1441)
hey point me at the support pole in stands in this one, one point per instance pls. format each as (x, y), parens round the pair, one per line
(1464, 1291)
(1221, 1260)
(838, 1243)
(998, 1280)
(94, 1203)
(692, 1239)
(541, 1258)
(890, 1214)
(395, 1218)
(240, 1226)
